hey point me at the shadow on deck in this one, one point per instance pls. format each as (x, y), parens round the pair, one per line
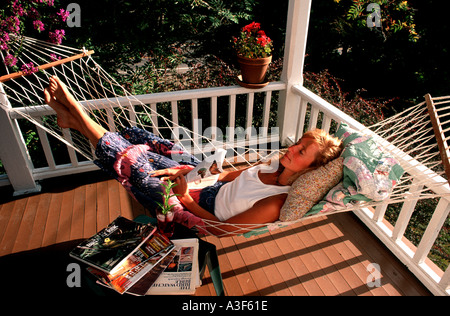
(329, 256)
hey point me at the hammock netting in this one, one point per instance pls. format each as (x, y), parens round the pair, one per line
(408, 136)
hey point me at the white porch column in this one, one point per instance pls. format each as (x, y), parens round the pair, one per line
(294, 58)
(13, 152)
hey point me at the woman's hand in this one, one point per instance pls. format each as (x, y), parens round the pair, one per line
(181, 188)
(170, 173)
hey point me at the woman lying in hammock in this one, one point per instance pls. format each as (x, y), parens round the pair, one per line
(140, 160)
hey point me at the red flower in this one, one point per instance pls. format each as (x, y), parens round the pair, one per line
(252, 27)
(263, 40)
(253, 42)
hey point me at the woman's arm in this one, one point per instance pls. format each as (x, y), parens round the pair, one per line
(262, 212)
(172, 173)
(182, 191)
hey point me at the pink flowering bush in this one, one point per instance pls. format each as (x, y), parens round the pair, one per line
(29, 68)
(56, 36)
(22, 17)
(38, 25)
(253, 42)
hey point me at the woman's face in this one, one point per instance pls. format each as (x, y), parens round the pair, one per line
(301, 155)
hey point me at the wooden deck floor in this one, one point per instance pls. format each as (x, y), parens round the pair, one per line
(324, 256)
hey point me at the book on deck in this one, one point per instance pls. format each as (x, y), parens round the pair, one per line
(110, 248)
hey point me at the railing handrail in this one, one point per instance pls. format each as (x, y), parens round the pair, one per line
(159, 97)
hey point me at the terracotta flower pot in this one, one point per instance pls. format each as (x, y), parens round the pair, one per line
(253, 70)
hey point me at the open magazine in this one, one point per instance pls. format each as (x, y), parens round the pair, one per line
(181, 276)
(206, 172)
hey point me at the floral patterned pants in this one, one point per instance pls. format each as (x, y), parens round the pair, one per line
(132, 155)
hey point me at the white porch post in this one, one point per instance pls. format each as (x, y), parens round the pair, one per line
(294, 57)
(13, 152)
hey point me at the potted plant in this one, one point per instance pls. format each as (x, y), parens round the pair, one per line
(164, 213)
(254, 53)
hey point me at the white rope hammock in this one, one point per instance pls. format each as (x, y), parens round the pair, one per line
(410, 136)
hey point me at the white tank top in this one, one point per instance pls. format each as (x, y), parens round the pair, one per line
(243, 192)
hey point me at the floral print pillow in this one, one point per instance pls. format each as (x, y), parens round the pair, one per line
(308, 189)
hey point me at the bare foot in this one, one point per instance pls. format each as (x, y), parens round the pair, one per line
(64, 118)
(60, 92)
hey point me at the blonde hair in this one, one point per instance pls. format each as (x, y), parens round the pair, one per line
(330, 148)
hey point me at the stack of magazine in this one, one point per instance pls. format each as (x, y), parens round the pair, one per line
(135, 258)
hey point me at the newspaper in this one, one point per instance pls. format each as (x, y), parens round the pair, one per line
(181, 277)
(206, 172)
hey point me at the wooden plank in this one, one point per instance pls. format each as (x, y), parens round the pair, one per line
(392, 271)
(37, 232)
(6, 212)
(278, 285)
(126, 205)
(331, 282)
(102, 205)
(331, 242)
(239, 267)
(393, 275)
(51, 226)
(230, 281)
(350, 257)
(77, 224)
(299, 258)
(205, 288)
(294, 280)
(90, 211)
(12, 228)
(114, 200)
(255, 267)
(352, 249)
(65, 219)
